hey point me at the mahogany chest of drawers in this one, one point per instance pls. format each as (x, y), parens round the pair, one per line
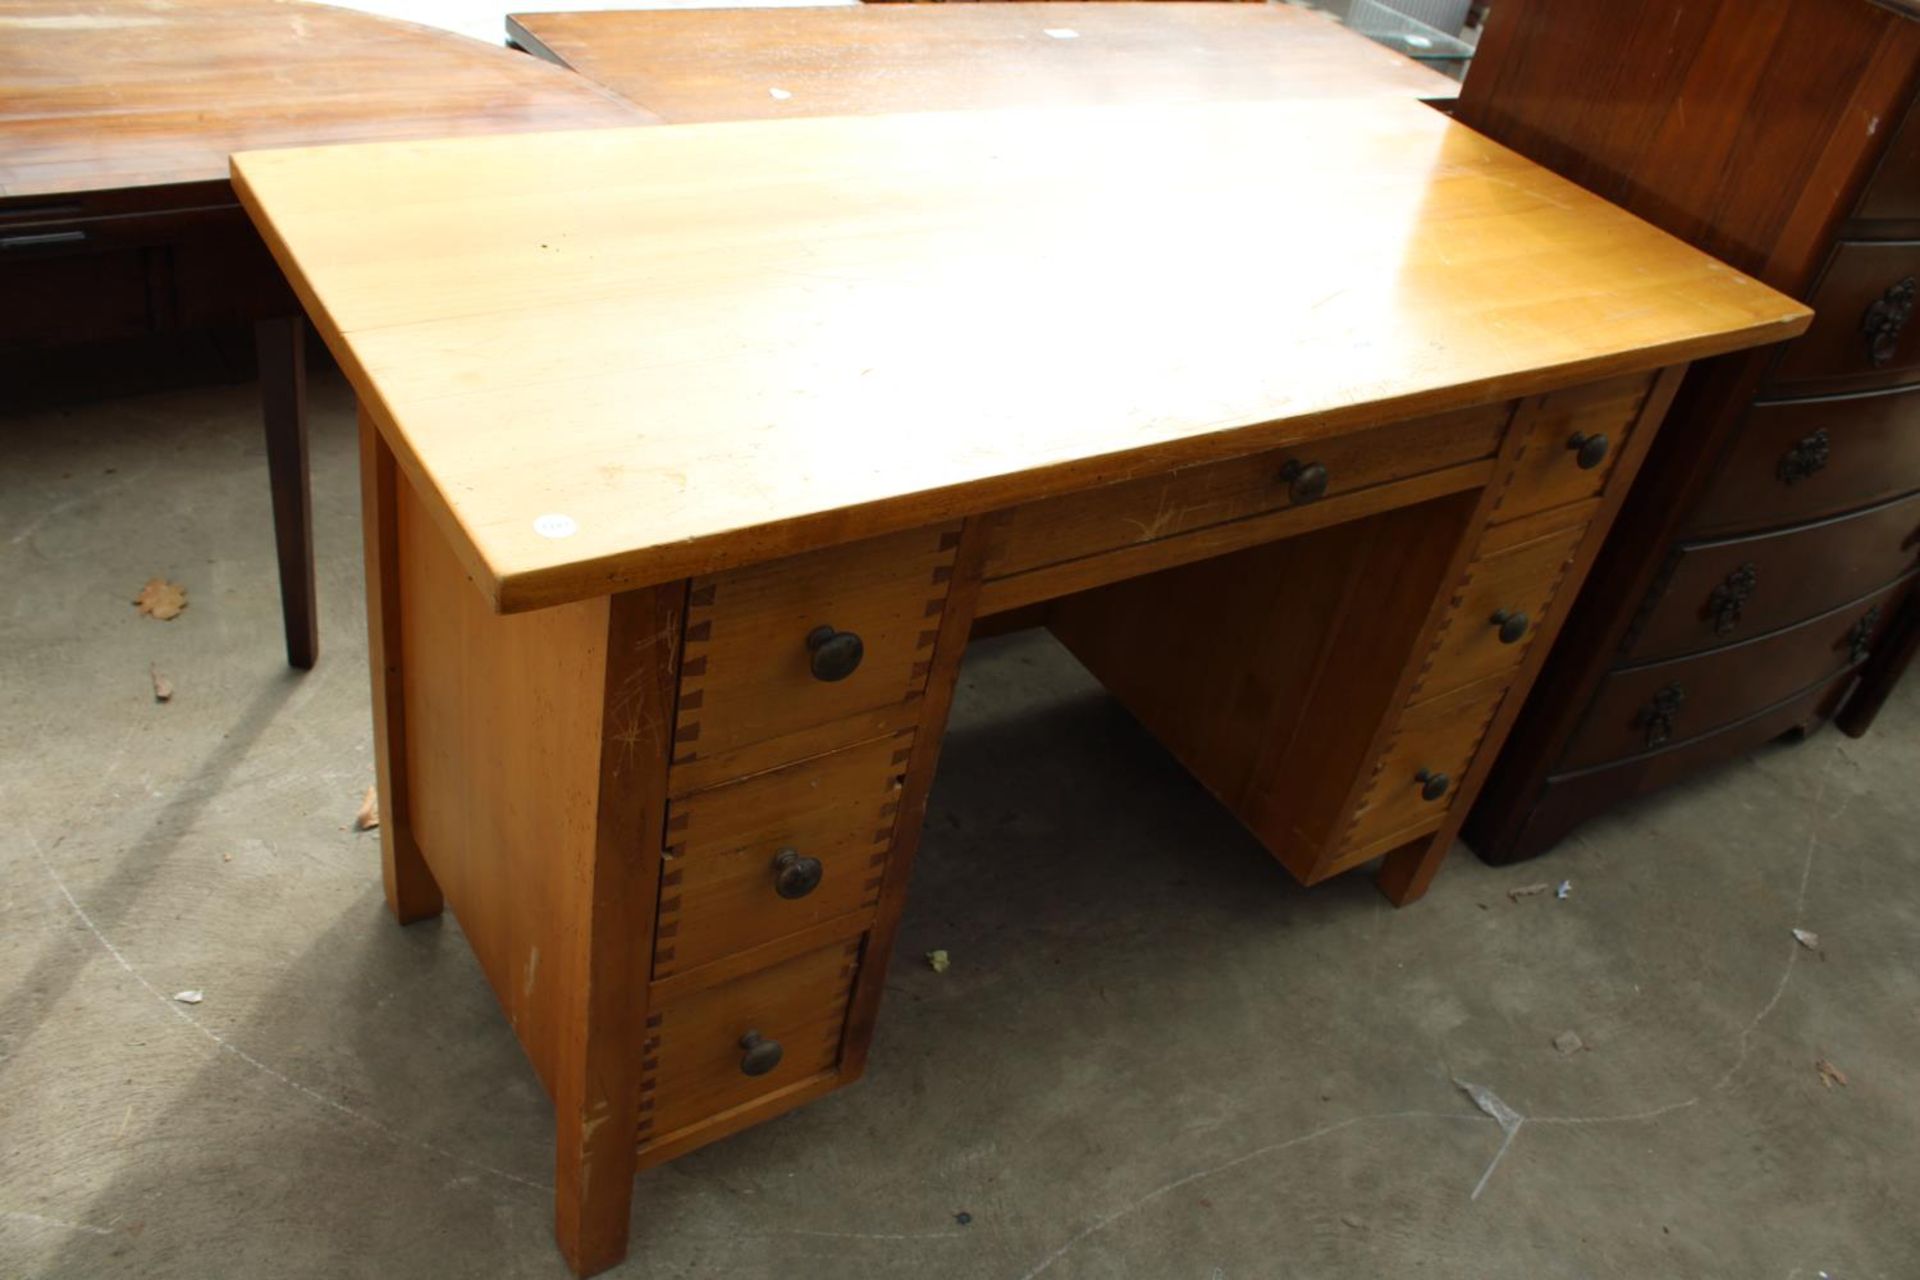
(1761, 577)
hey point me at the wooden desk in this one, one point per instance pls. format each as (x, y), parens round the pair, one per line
(692, 455)
(696, 66)
(116, 220)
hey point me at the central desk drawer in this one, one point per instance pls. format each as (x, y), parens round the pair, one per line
(1134, 512)
(708, 1051)
(759, 859)
(796, 657)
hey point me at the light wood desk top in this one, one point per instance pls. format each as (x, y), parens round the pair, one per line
(696, 66)
(707, 345)
(106, 94)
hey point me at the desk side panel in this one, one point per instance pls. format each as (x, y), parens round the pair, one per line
(503, 719)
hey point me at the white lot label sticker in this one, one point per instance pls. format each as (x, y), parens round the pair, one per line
(554, 525)
(1063, 33)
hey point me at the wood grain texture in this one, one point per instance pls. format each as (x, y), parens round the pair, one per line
(541, 318)
(105, 95)
(690, 67)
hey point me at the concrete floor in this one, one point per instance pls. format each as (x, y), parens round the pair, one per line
(1154, 1055)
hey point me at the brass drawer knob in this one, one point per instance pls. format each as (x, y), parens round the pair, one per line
(795, 876)
(1513, 625)
(758, 1055)
(1432, 785)
(1306, 481)
(836, 654)
(1589, 451)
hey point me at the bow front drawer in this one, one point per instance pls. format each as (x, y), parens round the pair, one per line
(1802, 459)
(1717, 593)
(1863, 333)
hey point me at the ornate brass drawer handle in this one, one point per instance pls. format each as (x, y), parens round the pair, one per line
(1727, 600)
(1658, 715)
(1886, 319)
(1807, 456)
(835, 654)
(1860, 635)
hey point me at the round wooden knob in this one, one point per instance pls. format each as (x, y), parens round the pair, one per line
(1432, 785)
(1513, 625)
(1306, 481)
(1590, 451)
(758, 1055)
(836, 654)
(795, 876)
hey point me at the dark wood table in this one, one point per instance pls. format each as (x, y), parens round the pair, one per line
(116, 217)
(702, 65)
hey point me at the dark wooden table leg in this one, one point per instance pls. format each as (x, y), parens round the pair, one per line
(281, 347)
(1890, 660)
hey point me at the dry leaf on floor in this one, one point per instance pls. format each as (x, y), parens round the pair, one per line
(1569, 1042)
(369, 816)
(161, 599)
(1807, 938)
(162, 687)
(1527, 891)
(1830, 1075)
(189, 997)
(937, 961)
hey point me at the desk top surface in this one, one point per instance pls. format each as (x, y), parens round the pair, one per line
(99, 95)
(697, 66)
(616, 357)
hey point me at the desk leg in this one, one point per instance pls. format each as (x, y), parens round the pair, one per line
(1407, 873)
(597, 1082)
(280, 345)
(411, 890)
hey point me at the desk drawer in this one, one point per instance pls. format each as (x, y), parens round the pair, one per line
(752, 678)
(1496, 611)
(757, 860)
(1716, 593)
(1436, 738)
(1649, 707)
(1799, 460)
(1573, 439)
(694, 1064)
(1140, 511)
(1862, 335)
